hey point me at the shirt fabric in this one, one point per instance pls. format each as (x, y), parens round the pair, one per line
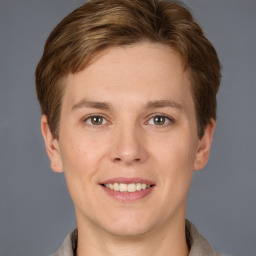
(196, 242)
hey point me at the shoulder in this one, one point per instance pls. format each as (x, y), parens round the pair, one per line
(199, 246)
(68, 246)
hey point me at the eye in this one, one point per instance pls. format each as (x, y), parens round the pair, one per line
(159, 120)
(95, 120)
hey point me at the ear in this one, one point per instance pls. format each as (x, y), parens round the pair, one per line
(204, 146)
(52, 146)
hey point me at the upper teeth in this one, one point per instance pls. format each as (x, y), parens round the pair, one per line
(132, 187)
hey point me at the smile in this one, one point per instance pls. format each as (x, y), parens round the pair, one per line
(130, 188)
(127, 189)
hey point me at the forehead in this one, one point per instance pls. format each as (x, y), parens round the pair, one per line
(143, 71)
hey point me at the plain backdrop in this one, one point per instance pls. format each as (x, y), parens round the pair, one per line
(36, 211)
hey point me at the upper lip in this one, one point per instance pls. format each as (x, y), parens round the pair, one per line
(125, 180)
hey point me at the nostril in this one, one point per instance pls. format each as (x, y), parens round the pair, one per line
(118, 159)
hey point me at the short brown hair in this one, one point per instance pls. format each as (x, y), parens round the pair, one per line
(99, 24)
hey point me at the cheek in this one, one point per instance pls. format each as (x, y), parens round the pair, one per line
(80, 166)
(178, 150)
(76, 160)
(176, 158)
(79, 152)
(82, 157)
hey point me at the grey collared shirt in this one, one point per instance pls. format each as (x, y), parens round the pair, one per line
(196, 242)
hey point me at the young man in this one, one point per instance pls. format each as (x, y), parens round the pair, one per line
(128, 90)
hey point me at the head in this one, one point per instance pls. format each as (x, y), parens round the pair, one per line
(100, 24)
(128, 95)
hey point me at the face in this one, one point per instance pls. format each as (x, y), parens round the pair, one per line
(128, 140)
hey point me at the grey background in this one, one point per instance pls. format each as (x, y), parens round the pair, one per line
(36, 211)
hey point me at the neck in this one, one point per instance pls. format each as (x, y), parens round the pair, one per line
(168, 240)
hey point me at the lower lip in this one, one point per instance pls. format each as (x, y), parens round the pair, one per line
(128, 196)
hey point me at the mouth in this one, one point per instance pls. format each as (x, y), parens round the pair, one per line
(127, 188)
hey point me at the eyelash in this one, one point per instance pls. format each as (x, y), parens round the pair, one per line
(166, 118)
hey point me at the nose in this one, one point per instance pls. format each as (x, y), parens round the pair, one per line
(128, 146)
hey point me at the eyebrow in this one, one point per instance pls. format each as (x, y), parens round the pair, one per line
(163, 104)
(91, 104)
(107, 106)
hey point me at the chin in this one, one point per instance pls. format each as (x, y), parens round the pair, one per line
(129, 226)
(128, 231)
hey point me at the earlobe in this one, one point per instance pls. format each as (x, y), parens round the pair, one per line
(52, 146)
(204, 146)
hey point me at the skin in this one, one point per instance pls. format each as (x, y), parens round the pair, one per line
(129, 141)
